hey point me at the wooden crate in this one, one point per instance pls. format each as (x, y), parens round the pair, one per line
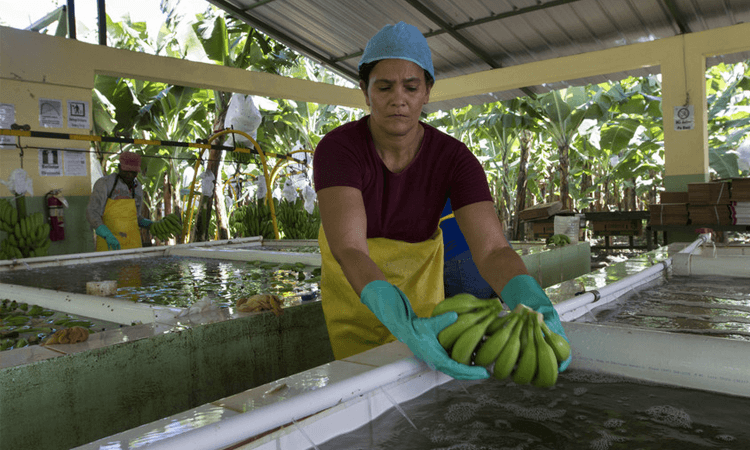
(543, 229)
(541, 211)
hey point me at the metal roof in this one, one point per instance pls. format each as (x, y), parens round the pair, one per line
(468, 36)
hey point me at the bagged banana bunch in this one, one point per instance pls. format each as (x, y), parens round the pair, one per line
(28, 236)
(295, 221)
(518, 344)
(168, 227)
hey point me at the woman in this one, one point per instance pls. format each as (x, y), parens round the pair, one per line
(114, 207)
(382, 183)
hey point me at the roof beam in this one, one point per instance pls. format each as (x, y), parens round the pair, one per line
(448, 28)
(488, 19)
(677, 16)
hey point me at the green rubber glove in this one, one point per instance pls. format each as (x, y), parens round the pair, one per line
(145, 223)
(393, 309)
(524, 289)
(112, 242)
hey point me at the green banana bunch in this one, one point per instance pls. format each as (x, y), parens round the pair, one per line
(8, 215)
(240, 155)
(295, 222)
(254, 219)
(519, 343)
(558, 240)
(27, 236)
(168, 227)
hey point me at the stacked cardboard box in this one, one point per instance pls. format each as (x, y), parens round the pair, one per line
(668, 213)
(711, 193)
(708, 203)
(617, 227)
(710, 214)
(674, 197)
(671, 209)
(740, 191)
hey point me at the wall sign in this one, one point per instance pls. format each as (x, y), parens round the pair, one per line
(684, 118)
(50, 113)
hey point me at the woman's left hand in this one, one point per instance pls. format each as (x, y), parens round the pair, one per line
(392, 308)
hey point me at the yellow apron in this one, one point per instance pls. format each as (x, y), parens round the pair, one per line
(415, 268)
(121, 217)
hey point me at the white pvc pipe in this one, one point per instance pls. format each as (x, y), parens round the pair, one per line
(575, 307)
(113, 255)
(115, 310)
(310, 259)
(79, 258)
(679, 359)
(238, 428)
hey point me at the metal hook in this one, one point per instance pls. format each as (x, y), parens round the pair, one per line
(20, 148)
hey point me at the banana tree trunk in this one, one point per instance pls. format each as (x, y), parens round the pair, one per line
(521, 184)
(563, 151)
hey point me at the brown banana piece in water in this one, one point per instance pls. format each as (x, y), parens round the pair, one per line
(71, 335)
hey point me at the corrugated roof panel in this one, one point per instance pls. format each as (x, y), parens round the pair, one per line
(503, 32)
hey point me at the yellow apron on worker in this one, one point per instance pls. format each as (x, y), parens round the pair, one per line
(121, 217)
(415, 268)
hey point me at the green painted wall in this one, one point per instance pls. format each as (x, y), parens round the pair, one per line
(72, 400)
(679, 183)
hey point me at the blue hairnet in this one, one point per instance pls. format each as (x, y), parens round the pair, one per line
(400, 41)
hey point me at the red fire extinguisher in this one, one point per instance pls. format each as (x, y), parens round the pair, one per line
(55, 205)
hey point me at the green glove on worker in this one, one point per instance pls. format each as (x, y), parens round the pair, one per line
(112, 242)
(393, 309)
(524, 289)
(145, 223)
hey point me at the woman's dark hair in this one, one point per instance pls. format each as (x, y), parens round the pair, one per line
(365, 69)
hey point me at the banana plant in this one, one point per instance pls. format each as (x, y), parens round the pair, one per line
(233, 43)
(729, 117)
(559, 114)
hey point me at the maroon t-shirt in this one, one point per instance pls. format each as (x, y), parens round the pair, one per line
(403, 206)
